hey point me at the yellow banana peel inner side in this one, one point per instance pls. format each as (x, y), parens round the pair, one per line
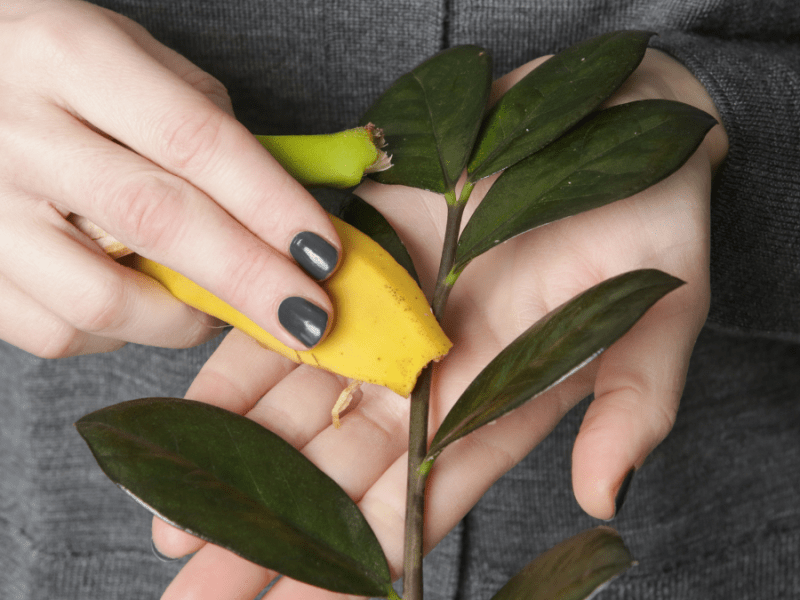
(384, 331)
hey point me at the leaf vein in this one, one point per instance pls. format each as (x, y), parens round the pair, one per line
(436, 136)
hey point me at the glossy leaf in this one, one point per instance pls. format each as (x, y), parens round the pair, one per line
(230, 481)
(552, 349)
(613, 154)
(554, 97)
(367, 219)
(431, 116)
(575, 569)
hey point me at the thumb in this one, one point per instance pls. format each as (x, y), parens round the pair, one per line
(638, 387)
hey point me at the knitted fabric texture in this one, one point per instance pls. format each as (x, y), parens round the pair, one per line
(712, 514)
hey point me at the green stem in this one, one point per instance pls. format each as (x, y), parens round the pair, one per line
(443, 285)
(415, 493)
(393, 595)
(418, 421)
(466, 191)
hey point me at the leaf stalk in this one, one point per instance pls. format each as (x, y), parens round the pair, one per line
(444, 284)
(415, 492)
(418, 467)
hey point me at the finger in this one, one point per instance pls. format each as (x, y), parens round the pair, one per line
(285, 397)
(295, 402)
(461, 475)
(238, 373)
(113, 186)
(290, 589)
(176, 127)
(235, 377)
(467, 469)
(208, 85)
(299, 410)
(47, 259)
(507, 81)
(28, 325)
(639, 384)
(215, 573)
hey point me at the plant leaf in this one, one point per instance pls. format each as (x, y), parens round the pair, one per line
(575, 569)
(431, 116)
(552, 349)
(554, 97)
(230, 481)
(367, 219)
(612, 155)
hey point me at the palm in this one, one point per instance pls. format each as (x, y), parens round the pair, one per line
(637, 382)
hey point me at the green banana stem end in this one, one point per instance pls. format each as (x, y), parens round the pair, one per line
(334, 159)
(383, 160)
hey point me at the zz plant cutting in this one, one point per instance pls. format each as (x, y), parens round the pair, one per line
(560, 154)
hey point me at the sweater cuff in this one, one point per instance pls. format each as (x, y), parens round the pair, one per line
(755, 209)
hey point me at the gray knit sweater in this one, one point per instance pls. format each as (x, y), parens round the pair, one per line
(714, 513)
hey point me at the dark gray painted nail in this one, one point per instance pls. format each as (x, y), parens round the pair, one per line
(623, 491)
(158, 555)
(316, 256)
(303, 320)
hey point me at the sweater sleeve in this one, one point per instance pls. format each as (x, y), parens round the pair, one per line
(755, 211)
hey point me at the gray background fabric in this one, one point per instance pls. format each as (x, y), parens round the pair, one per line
(714, 512)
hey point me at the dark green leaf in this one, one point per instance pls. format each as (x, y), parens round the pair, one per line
(430, 118)
(573, 570)
(367, 219)
(613, 154)
(552, 349)
(554, 97)
(228, 480)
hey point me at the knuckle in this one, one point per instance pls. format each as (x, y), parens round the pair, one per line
(57, 340)
(100, 306)
(497, 455)
(50, 38)
(662, 421)
(146, 211)
(208, 85)
(189, 141)
(244, 277)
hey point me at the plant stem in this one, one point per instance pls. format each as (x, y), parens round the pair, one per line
(443, 286)
(418, 421)
(415, 493)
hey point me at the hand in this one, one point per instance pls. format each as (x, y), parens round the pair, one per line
(637, 382)
(100, 120)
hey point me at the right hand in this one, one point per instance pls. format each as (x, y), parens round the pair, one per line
(637, 382)
(99, 119)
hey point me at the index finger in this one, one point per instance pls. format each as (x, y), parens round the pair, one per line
(139, 102)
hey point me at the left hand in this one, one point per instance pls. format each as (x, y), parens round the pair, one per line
(637, 382)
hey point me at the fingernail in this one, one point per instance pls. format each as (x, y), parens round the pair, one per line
(158, 555)
(623, 491)
(305, 321)
(316, 256)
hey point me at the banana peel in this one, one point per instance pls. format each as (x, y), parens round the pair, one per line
(384, 330)
(332, 159)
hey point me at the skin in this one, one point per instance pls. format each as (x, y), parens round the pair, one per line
(637, 382)
(147, 156)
